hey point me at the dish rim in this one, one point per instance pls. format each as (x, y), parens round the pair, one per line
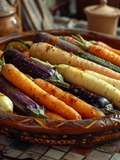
(59, 127)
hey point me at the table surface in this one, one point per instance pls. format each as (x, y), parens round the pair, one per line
(12, 149)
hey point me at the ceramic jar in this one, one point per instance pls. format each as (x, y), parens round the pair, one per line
(102, 18)
(10, 22)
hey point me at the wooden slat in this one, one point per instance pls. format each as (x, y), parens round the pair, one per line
(33, 13)
(48, 21)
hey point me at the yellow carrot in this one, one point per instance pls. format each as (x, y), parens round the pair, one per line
(112, 81)
(54, 55)
(89, 82)
(86, 110)
(20, 80)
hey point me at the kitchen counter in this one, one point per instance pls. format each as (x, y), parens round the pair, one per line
(12, 149)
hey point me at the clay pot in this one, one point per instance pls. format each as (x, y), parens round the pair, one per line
(102, 18)
(84, 133)
(10, 22)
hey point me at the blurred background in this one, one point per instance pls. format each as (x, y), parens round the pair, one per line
(62, 11)
(55, 14)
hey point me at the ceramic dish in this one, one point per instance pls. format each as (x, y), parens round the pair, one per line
(83, 133)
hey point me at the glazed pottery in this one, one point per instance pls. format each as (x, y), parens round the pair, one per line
(102, 18)
(10, 22)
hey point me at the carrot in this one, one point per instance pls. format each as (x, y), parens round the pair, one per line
(90, 82)
(1, 52)
(68, 39)
(102, 44)
(20, 80)
(114, 82)
(98, 51)
(26, 53)
(86, 110)
(105, 54)
(99, 43)
(55, 41)
(54, 55)
(73, 39)
(53, 115)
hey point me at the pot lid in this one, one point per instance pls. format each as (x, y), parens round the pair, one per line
(6, 9)
(102, 10)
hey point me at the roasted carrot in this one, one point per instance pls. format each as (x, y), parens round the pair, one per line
(114, 82)
(98, 51)
(55, 41)
(54, 55)
(53, 115)
(105, 54)
(72, 39)
(90, 82)
(102, 44)
(1, 52)
(68, 39)
(86, 110)
(26, 53)
(20, 80)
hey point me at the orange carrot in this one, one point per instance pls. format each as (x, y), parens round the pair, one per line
(86, 110)
(102, 44)
(98, 51)
(72, 39)
(26, 53)
(92, 42)
(68, 39)
(105, 54)
(1, 52)
(54, 55)
(20, 80)
(53, 115)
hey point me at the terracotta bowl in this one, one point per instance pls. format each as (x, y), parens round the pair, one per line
(84, 133)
